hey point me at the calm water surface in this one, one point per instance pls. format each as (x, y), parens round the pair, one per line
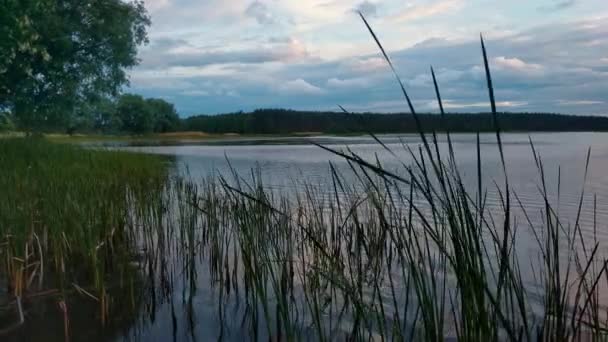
(287, 165)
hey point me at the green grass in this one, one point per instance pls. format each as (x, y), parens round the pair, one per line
(68, 215)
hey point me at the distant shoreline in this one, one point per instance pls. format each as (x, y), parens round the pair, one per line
(281, 121)
(180, 138)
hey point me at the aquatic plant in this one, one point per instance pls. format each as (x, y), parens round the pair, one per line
(68, 216)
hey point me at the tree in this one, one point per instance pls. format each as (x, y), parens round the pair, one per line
(96, 114)
(55, 54)
(106, 117)
(135, 114)
(165, 115)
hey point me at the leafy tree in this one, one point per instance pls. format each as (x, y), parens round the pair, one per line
(135, 114)
(165, 115)
(97, 114)
(106, 117)
(56, 54)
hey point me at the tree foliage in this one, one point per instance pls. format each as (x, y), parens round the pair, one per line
(134, 114)
(105, 117)
(164, 115)
(57, 54)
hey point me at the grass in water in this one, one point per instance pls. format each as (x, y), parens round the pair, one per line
(68, 217)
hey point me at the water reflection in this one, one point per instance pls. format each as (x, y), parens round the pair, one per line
(192, 286)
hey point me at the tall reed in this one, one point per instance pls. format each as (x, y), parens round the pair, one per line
(68, 216)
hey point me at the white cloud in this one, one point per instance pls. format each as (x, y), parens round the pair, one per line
(426, 105)
(143, 79)
(299, 87)
(326, 51)
(579, 102)
(421, 80)
(260, 12)
(196, 93)
(453, 104)
(348, 83)
(367, 64)
(443, 76)
(416, 12)
(201, 71)
(316, 10)
(180, 53)
(155, 5)
(516, 64)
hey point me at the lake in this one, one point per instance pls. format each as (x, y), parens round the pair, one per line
(289, 163)
(291, 166)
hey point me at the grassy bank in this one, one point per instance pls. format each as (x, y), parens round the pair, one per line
(162, 138)
(68, 216)
(92, 138)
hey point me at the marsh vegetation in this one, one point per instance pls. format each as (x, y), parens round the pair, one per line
(418, 253)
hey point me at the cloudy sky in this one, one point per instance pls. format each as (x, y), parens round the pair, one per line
(214, 56)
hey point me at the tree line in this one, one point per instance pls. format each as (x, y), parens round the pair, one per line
(128, 113)
(281, 121)
(133, 114)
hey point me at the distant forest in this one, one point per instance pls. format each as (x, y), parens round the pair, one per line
(280, 121)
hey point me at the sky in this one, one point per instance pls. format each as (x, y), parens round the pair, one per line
(219, 56)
